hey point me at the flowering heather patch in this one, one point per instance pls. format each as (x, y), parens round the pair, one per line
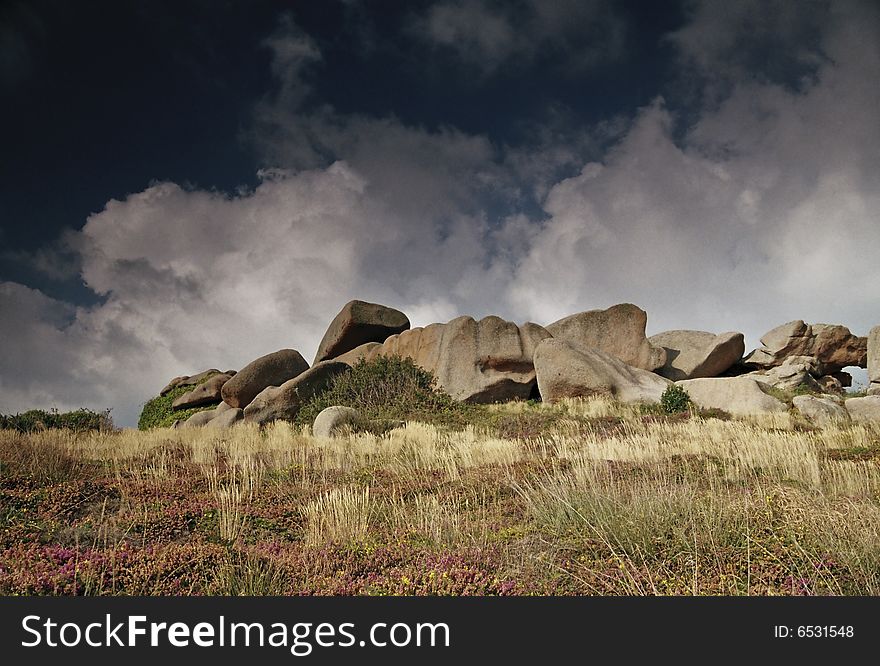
(587, 497)
(399, 568)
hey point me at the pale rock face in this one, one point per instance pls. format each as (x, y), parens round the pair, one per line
(565, 371)
(740, 396)
(833, 346)
(795, 372)
(483, 361)
(199, 419)
(328, 422)
(618, 331)
(269, 370)
(874, 359)
(284, 402)
(218, 416)
(821, 411)
(226, 419)
(358, 323)
(864, 410)
(367, 351)
(696, 354)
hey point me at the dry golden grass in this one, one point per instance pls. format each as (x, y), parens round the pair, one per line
(340, 514)
(604, 497)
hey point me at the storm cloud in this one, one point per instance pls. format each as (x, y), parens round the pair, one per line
(754, 205)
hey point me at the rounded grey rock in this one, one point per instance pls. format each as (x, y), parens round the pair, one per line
(333, 418)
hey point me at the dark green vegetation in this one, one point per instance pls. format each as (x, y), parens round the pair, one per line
(387, 391)
(675, 399)
(37, 419)
(157, 412)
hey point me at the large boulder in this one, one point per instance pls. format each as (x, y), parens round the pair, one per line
(864, 410)
(619, 331)
(332, 419)
(739, 396)
(367, 351)
(218, 416)
(358, 323)
(483, 361)
(199, 419)
(171, 385)
(206, 393)
(874, 359)
(565, 371)
(821, 411)
(833, 346)
(796, 372)
(226, 418)
(284, 402)
(696, 354)
(269, 370)
(194, 380)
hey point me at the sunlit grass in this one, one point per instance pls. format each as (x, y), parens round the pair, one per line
(591, 497)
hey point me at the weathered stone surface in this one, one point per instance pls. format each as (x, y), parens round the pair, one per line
(284, 402)
(795, 372)
(619, 331)
(226, 418)
(483, 361)
(333, 418)
(199, 419)
(821, 411)
(565, 371)
(208, 416)
(834, 347)
(269, 370)
(194, 380)
(170, 386)
(831, 384)
(695, 354)
(874, 359)
(864, 410)
(206, 393)
(739, 396)
(367, 351)
(358, 323)
(197, 379)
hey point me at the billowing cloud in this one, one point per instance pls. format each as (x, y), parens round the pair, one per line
(763, 209)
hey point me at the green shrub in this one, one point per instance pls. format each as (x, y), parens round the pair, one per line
(157, 413)
(386, 389)
(38, 419)
(675, 399)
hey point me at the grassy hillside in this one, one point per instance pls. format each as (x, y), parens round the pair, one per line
(588, 497)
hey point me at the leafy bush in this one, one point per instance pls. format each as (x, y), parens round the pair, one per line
(157, 413)
(675, 399)
(38, 419)
(387, 388)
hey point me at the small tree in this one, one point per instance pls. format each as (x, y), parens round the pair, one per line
(675, 399)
